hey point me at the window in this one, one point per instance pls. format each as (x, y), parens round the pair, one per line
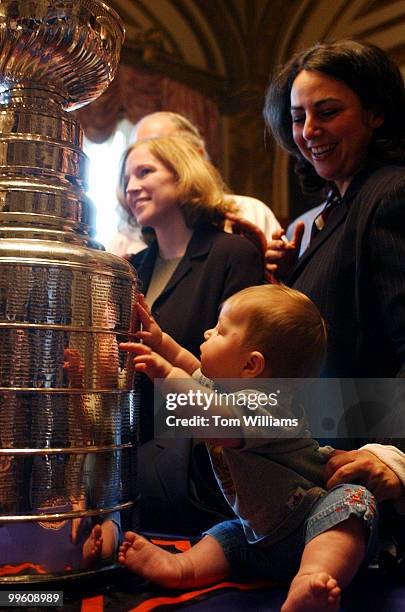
(103, 177)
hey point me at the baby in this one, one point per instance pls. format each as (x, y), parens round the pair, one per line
(288, 526)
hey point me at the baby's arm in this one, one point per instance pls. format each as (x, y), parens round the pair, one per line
(160, 342)
(152, 364)
(172, 379)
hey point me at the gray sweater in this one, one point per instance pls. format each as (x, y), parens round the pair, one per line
(271, 484)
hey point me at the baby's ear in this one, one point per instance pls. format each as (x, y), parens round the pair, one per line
(254, 366)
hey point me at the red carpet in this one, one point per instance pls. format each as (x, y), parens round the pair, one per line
(120, 591)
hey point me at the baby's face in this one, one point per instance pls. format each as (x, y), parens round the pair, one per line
(223, 354)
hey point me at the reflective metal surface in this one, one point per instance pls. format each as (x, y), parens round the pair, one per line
(70, 47)
(68, 415)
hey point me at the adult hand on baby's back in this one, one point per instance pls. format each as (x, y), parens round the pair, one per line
(365, 468)
(146, 361)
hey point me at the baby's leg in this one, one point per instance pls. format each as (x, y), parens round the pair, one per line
(338, 528)
(329, 562)
(204, 563)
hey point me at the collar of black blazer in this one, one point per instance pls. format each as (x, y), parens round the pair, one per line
(336, 218)
(198, 247)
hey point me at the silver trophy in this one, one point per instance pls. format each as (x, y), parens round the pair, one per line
(68, 417)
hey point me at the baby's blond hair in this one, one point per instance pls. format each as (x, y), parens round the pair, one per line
(285, 326)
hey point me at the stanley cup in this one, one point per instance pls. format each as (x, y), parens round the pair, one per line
(68, 417)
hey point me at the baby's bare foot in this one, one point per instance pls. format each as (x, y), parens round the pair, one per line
(312, 593)
(151, 562)
(92, 547)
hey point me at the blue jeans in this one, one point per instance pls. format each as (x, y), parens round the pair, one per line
(281, 560)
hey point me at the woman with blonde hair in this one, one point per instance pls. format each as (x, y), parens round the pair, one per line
(250, 215)
(201, 190)
(189, 268)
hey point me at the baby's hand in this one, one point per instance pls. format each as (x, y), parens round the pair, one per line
(146, 361)
(151, 333)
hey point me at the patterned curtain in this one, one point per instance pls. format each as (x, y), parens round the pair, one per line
(135, 93)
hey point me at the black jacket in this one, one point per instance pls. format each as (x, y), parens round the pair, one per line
(354, 271)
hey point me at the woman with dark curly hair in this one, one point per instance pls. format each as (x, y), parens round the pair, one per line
(339, 109)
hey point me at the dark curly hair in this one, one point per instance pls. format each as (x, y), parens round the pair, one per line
(369, 73)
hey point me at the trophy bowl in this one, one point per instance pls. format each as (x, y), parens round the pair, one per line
(69, 47)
